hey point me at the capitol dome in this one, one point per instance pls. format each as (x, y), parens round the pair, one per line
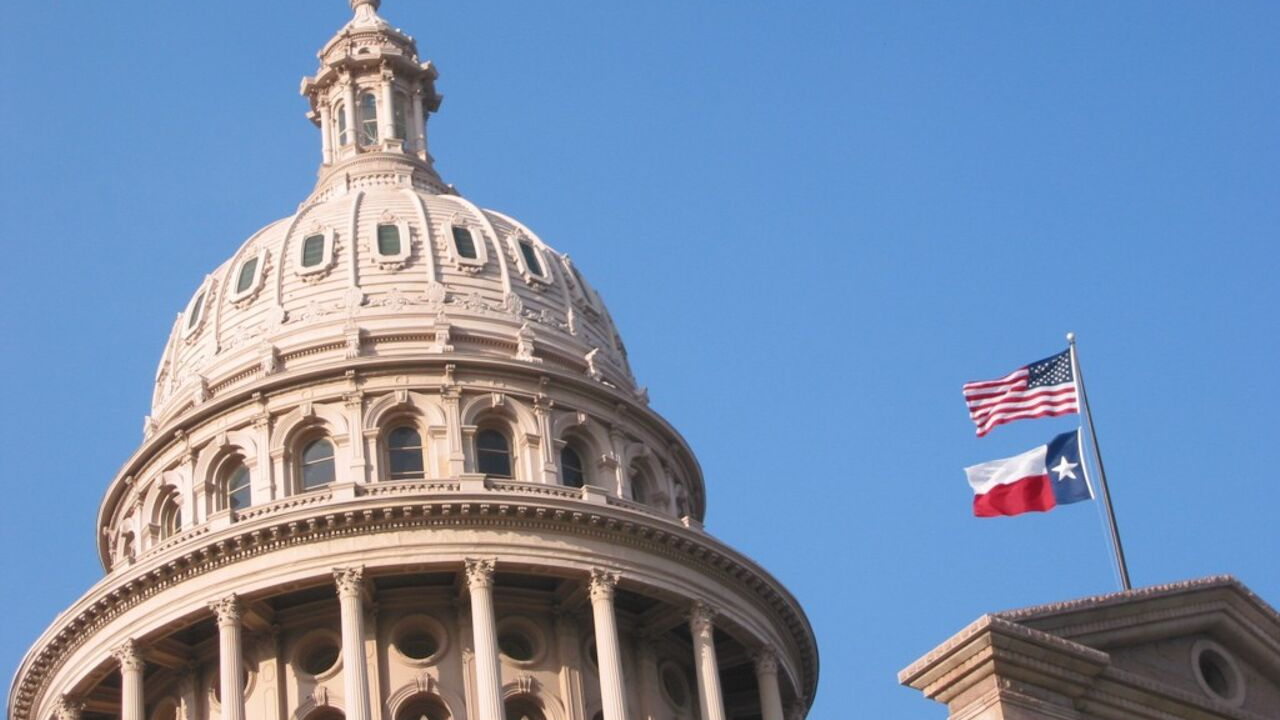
(397, 467)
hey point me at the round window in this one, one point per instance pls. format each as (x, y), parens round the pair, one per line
(675, 686)
(516, 645)
(1217, 673)
(318, 654)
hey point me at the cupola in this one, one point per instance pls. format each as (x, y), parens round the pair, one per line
(371, 98)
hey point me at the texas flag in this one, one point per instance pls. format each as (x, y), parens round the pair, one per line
(1038, 480)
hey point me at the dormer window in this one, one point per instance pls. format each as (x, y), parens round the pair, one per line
(388, 240)
(468, 247)
(391, 246)
(530, 257)
(249, 277)
(315, 253)
(531, 262)
(368, 121)
(312, 251)
(464, 243)
(193, 316)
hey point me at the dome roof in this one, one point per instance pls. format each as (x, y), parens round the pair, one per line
(384, 258)
(383, 269)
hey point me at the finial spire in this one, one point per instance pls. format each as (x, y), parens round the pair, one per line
(355, 4)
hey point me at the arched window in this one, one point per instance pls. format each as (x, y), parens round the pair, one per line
(572, 472)
(423, 707)
(317, 464)
(401, 116)
(341, 112)
(493, 453)
(238, 494)
(523, 707)
(368, 121)
(170, 517)
(404, 454)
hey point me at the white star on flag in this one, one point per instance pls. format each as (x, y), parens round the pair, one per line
(1065, 469)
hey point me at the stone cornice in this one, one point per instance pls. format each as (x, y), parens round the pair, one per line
(397, 512)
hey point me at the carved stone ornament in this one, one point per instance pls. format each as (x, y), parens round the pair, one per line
(229, 610)
(480, 572)
(766, 660)
(593, 369)
(68, 708)
(268, 358)
(702, 620)
(524, 344)
(350, 581)
(603, 583)
(354, 339)
(129, 656)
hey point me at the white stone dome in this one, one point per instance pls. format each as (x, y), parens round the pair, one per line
(384, 275)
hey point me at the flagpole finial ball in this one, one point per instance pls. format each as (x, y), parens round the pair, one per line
(1071, 337)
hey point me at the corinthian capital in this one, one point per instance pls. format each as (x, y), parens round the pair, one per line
(229, 610)
(766, 660)
(350, 581)
(129, 656)
(603, 583)
(68, 708)
(480, 572)
(702, 620)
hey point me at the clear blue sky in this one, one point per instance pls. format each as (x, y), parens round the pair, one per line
(813, 222)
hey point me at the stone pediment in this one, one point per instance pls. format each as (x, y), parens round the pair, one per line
(1207, 648)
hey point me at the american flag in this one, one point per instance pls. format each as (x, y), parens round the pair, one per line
(1042, 389)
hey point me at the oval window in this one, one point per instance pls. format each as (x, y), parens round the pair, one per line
(248, 275)
(388, 240)
(312, 251)
(464, 242)
(531, 258)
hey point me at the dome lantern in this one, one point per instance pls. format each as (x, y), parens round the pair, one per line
(371, 99)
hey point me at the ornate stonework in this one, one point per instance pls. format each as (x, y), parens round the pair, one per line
(395, 442)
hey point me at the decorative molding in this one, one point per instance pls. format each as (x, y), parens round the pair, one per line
(350, 581)
(129, 656)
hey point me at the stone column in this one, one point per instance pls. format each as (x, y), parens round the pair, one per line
(704, 659)
(326, 132)
(452, 398)
(608, 651)
(485, 630)
(418, 129)
(132, 700)
(647, 667)
(350, 110)
(567, 644)
(229, 612)
(355, 671)
(766, 661)
(387, 120)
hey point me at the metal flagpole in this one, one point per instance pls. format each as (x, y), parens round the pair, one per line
(1102, 473)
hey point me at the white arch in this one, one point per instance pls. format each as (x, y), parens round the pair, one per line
(424, 684)
(306, 417)
(402, 401)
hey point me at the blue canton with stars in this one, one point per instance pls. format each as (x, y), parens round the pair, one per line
(1050, 371)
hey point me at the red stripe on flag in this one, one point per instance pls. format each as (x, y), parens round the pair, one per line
(1047, 411)
(1011, 377)
(1030, 494)
(977, 410)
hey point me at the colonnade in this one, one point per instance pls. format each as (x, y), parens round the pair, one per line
(350, 582)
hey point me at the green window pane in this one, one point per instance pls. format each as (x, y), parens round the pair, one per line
(401, 117)
(530, 258)
(465, 244)
(248, 272)
(493, 454)
(313, 251)
(341, 110)
(317, 465)
(388, 240)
